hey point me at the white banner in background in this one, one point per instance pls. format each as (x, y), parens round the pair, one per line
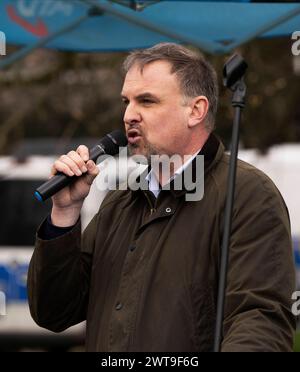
(2, 304)
(296, 44)
(2, 44)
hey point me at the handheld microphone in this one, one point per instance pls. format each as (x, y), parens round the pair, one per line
(108, 145)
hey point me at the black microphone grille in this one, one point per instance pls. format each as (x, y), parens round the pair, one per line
(112, 141)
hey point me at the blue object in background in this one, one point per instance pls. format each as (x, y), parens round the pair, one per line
(296, 244)
(13, 282)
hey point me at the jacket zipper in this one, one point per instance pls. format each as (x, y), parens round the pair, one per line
(152, 207)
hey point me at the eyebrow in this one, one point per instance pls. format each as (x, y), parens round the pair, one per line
(142, 96)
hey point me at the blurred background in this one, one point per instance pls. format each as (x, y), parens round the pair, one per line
(51, 101)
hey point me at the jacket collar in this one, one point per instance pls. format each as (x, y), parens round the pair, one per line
(212, 151)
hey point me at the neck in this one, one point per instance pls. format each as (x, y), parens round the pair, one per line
(164, 170)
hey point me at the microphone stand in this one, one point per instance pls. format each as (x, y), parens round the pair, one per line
(233, 78)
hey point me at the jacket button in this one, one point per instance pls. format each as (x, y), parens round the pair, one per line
(132, 248)
(168, 210)
(118, 306)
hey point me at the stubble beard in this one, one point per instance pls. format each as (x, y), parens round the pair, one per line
(147, 150)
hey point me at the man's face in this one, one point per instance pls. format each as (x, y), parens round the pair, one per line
(155, 117)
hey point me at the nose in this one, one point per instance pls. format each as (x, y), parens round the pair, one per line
(131, 115)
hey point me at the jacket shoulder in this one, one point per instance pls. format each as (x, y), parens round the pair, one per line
(248, 177)
(254, 188)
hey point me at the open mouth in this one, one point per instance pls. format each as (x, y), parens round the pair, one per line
(133, 136)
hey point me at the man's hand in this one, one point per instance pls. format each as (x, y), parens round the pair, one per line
(68, 202)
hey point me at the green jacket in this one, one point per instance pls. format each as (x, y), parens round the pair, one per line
(145, 273)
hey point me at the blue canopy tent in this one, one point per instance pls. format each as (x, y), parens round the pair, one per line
(120, 25)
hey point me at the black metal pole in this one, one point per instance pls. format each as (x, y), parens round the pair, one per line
(234, 71)
(227, 230)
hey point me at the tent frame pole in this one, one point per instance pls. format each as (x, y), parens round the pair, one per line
(8, 61)
(263, 29)
(212, 47)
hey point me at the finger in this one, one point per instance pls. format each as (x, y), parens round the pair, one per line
(83, 151)
(93, 172)
(72, 165)
(78, 160)
(59, 166)
(53, 171)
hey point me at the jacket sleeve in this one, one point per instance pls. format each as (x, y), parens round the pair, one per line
(59, 276)
(261, 276)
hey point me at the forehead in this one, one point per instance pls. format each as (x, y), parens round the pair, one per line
(156, 78)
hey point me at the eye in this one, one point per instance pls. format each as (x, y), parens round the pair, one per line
(125, 101)
(147, 101)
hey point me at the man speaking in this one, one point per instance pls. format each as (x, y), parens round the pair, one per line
(144, 274)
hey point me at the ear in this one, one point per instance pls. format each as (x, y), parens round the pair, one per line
(199, 107)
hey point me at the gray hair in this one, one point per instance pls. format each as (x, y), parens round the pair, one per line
(195, 74)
